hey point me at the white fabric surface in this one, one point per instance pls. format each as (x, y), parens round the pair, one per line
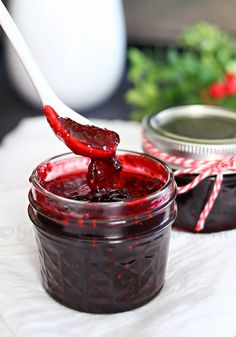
(199, 297)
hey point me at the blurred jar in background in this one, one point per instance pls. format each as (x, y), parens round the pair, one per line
(79, 45)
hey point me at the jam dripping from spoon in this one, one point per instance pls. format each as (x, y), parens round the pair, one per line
(96, 143)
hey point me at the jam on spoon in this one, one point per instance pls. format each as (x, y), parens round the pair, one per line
(86, 140)
(100, 145)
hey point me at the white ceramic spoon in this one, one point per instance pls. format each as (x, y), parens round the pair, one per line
(46, 94)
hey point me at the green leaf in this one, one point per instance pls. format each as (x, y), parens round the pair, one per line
(207, 38)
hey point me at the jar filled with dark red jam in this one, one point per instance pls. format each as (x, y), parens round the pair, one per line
(102, 256)
(202, 133)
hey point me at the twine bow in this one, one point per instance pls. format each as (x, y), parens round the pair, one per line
(204, 169)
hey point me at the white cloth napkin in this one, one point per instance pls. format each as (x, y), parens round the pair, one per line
(198, 299)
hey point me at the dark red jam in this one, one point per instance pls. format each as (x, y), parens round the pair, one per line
(128, 187)
(103, 251)
(190, 205)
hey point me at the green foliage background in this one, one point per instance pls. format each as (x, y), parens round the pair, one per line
(174, 77)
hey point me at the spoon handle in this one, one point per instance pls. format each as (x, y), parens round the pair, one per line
(47, 96)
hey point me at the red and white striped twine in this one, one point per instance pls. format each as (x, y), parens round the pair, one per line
(204, 169)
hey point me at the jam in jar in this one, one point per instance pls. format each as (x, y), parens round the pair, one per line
(202, 134)
(103, 253)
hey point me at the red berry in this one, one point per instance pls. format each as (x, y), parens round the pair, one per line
(217, 90)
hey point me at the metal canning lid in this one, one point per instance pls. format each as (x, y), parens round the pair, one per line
(193, 131)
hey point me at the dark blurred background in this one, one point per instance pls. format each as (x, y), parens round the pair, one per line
(149, 23)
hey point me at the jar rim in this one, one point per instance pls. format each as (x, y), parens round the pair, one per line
(113, 220)
(157, 194)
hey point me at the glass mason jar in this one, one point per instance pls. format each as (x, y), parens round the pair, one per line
(102, 257)
(197, 132)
